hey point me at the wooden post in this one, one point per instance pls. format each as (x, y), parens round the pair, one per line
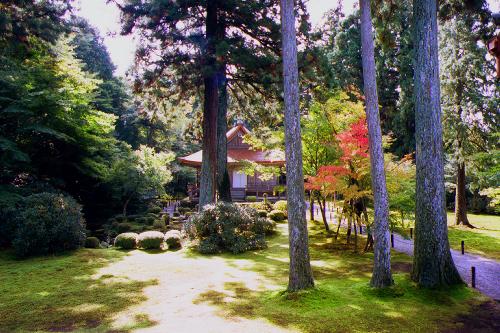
(411, 233)
(392, 240)
(360, 229)
(463, 246)
(473, 276)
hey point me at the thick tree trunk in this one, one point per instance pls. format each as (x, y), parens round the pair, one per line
(432, 262)
(223, 182)
(460, 199)
(382, 251)
(300, 275)
(210, 110)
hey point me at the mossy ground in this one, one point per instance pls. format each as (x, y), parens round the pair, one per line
(483, 240)
(182, 291)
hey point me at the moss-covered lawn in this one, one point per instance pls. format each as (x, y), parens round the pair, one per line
(483, 240)
(182, 291)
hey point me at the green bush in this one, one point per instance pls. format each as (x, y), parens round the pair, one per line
(262, 212)
(154, 209)
(120, 218)
(92, 243)
(176, 214)
(48, 223)
(173, 239)
(123, 227)
(150, 240)
(276, 215)
(251, 198)
(280, 205)
(126, 240)
(269, 227)
(227, 227)
(159, 224)
(183, 210)
(187, 203)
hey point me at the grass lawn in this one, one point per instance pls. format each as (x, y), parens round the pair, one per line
(483, 240)
(182, 291)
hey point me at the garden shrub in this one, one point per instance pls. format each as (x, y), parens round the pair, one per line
(276, 215)
(280, 205)
(251, 198)
(48, 223)
(183, 210)
(120, 218)
(187, 203)
(262, 212)
(159, 224)
(154, 209)
(269, 227)
(123, 227)
(92, 243)
(126, 240)
(150, 240)
(173, 239)
(227, 227)
(176, 214)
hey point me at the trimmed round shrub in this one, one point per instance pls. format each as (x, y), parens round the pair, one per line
(150, 240)
(159, 224)
(154, 209)
(173, 239)
(276, 215)
(92, 243)
(227, 227)
(123, 227)
(262, 212)
(48, 223)
(126, 240)
(280, 205)
(269, 227)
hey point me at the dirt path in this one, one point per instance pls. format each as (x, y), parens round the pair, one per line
(173, 303)
(487, 270)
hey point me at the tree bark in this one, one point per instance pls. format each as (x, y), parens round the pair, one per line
(322, 207)
(382, 251)
(210, 110)
(300, 275)
(460, 199)
(223, 183)
(432, 262)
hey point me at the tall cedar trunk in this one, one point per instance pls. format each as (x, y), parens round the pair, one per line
(432, 262)
(460, 199)
(223, 183)
(311, 204)
(300, 275)
(210, 110)
(382, 251)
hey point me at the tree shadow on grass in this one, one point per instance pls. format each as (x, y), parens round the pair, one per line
(60, 293)
(342, 300)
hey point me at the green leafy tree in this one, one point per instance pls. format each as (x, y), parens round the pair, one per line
(141, 174)
(470, 100)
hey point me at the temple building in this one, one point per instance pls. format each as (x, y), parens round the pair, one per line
(242, 185)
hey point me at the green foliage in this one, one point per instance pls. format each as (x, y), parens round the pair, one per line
(159, 224)
(123, 227)
(262, 212)
(92, 243)
(227, 227)
(173, 239)
(143, 173)
(48, 223)
(281, 205)
(251, 198)
(400, 180)
(150, 240)
(276, 215)
(126, 240)
(154, 209)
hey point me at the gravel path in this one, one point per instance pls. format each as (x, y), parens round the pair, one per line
(487, 270)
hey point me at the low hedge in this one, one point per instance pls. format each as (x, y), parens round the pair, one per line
(276, 215)
(173, 239)
(150, 240)
(280, 205)
(92, 243)
(127, 240)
